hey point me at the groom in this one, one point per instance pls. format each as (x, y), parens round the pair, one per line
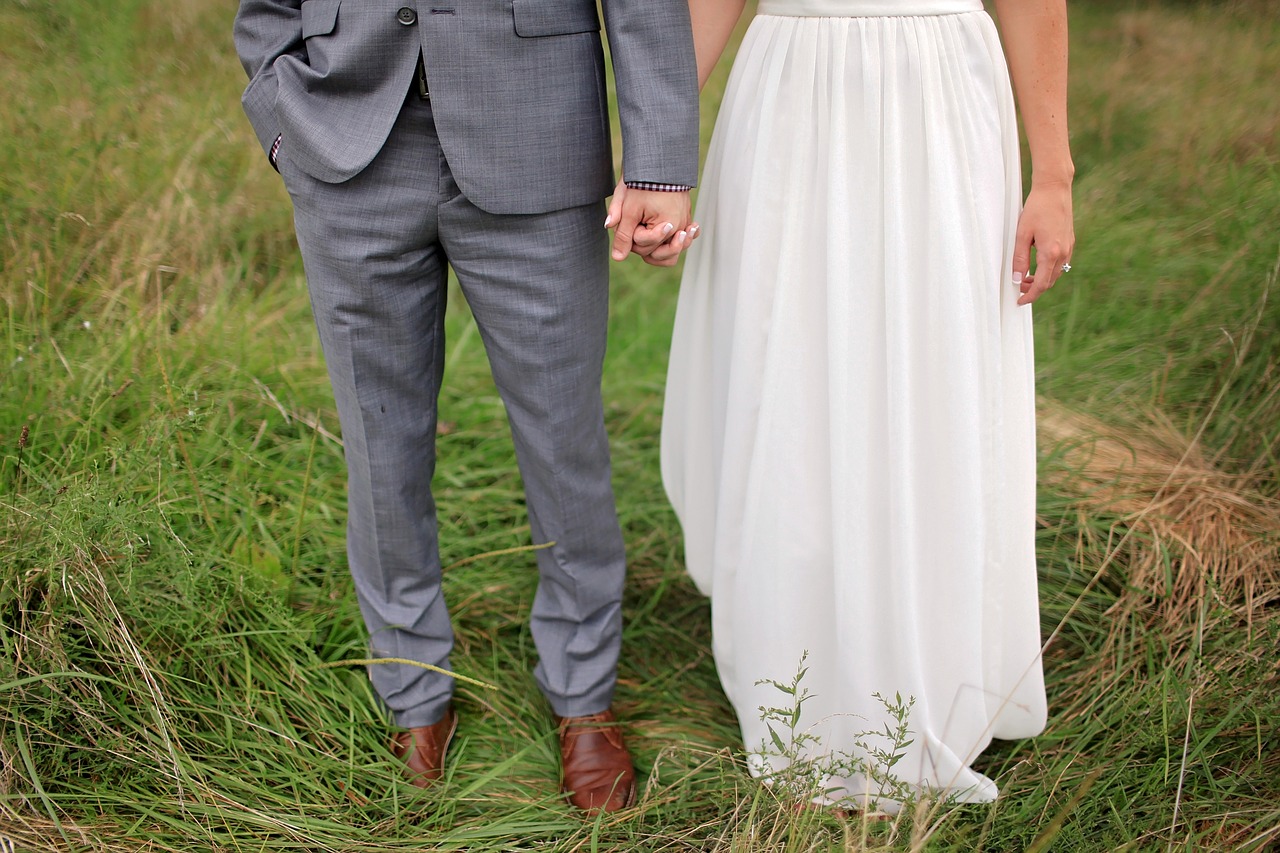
(416, 136)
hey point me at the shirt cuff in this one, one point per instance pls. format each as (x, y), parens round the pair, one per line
(651, 186)
(274, 154)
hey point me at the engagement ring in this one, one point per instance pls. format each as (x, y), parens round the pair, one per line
(1066, 267)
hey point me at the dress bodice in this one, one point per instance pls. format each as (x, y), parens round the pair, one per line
(866, 8)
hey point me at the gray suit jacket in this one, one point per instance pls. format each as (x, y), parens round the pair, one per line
(517, 90)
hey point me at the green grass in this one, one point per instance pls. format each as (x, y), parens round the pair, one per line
(173, 589)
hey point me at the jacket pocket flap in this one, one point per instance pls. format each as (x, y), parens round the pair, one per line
(319, 17)
(553, 17)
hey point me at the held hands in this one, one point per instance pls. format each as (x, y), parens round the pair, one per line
(1046, 224)
(654, 225)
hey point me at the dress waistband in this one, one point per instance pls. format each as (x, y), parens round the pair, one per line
(866, 8)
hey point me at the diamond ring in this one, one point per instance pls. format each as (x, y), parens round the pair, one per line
(1066, 267)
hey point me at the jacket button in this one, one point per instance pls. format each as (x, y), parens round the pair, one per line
(406, 16)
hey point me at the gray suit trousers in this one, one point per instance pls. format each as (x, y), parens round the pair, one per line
(376, 250)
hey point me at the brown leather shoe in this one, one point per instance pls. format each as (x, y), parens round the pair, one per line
(598, 776)
(423, 748)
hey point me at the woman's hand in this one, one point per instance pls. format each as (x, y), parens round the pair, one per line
(615, 204)
(1046, 223)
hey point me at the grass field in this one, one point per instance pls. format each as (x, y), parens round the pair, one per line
(175, 613)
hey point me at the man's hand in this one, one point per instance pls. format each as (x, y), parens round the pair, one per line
(654, 225)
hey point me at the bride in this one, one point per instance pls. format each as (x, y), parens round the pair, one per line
(848, 436)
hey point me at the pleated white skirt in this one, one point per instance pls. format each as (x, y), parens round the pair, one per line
(849, 436)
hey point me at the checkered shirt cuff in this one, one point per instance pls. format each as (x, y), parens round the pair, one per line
(651, 186)
(274, 153)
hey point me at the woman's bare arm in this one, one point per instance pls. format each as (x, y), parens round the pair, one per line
(1035, 43)
(713, 23)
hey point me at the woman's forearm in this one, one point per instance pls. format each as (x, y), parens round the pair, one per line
(1035, 43)
(713, 23)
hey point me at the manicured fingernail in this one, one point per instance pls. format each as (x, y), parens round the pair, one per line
(693, 230)
(608, 220)
(682, 236)
(667, 229)
(1017, 278)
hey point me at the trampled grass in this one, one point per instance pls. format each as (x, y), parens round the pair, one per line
(175, 612)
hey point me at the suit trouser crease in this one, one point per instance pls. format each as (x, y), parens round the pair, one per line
(376, 251)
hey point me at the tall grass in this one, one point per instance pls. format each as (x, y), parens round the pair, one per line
(175, 613)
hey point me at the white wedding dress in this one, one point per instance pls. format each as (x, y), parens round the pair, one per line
(849, 437)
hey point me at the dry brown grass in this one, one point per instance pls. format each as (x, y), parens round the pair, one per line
(1196, 534)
